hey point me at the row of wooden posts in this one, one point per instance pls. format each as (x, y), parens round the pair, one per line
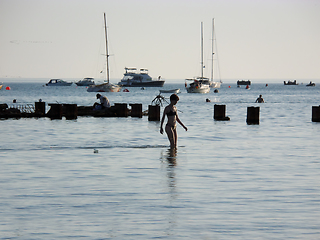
(253, 113)
(72, 111)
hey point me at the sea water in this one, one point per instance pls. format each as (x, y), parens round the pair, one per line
(116, 178)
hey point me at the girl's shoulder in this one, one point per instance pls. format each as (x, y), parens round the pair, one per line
(167, 108)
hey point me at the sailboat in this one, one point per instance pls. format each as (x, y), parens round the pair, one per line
(199, 84)
(212, 83)
(106, 86)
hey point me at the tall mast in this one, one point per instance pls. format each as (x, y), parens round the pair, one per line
(201, 51)
(107, 54)
(212, 47)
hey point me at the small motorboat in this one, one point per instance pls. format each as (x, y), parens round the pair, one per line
(177, 90)
(290, 82)
(243, 82)
(85, 82)
(58, 82)
(311, 84)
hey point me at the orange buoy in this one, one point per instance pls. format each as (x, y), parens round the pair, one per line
(8, 88)
(229, 86)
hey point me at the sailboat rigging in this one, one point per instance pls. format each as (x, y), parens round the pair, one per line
(212, 83)
(199, 84)
(107, 86)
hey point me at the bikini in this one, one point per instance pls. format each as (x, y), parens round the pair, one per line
(171, 113)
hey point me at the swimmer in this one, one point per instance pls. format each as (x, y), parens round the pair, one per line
(171, 126)
(260, 99)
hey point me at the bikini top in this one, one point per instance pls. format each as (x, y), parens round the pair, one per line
(171, 113)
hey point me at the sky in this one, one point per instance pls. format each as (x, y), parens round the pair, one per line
(254, 39)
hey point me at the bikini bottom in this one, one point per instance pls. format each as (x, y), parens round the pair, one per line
(173, 127)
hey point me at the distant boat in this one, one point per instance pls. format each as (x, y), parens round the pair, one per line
(311, 84)
(290, 82)
(199, 84)
(85, 82)
(106, 86)
(243, 82)
(197, 87)
(132, 78)
(177, 90)
(1, 86)
(58, 82)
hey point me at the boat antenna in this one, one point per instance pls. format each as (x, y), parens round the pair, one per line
(212, 47)
(107, 53)
(201, 51)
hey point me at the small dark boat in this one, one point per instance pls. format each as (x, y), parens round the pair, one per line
(290, 82)
(243, 82)
(311, 84)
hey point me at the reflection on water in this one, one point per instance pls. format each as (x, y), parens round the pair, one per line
(171, 157)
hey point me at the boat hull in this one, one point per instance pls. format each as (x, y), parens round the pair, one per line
(107, 87)
(144, 84)
(203, 89)
(215, 84)
(170, 91)
(59, 84)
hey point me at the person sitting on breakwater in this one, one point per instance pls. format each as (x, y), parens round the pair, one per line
(104, 102)
(172, 115)
(260, 99)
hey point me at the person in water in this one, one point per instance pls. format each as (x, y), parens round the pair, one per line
(171, 112)
(260, 99)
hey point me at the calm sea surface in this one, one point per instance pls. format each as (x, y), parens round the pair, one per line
(115, 178)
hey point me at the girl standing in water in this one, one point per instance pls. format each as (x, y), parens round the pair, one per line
(172, 115)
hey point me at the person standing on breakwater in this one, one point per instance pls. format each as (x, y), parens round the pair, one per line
(104, 102)
(172, 115)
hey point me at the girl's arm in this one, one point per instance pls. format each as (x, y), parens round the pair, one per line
(162, 120)
(178, 120)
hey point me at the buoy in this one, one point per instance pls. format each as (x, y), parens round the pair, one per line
(125, 90)
(216, 91)
(229, 86)
(8, 88)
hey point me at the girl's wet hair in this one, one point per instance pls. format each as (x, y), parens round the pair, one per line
(174, 97)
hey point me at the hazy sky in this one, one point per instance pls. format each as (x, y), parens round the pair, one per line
(255, 39)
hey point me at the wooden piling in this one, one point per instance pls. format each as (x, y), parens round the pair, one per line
(253, 115)
(154, 113)
(136, 110)
(40, 108)
(121, 109)
(70, 111)
(315, 113)
(220, 113)
(55, 111)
